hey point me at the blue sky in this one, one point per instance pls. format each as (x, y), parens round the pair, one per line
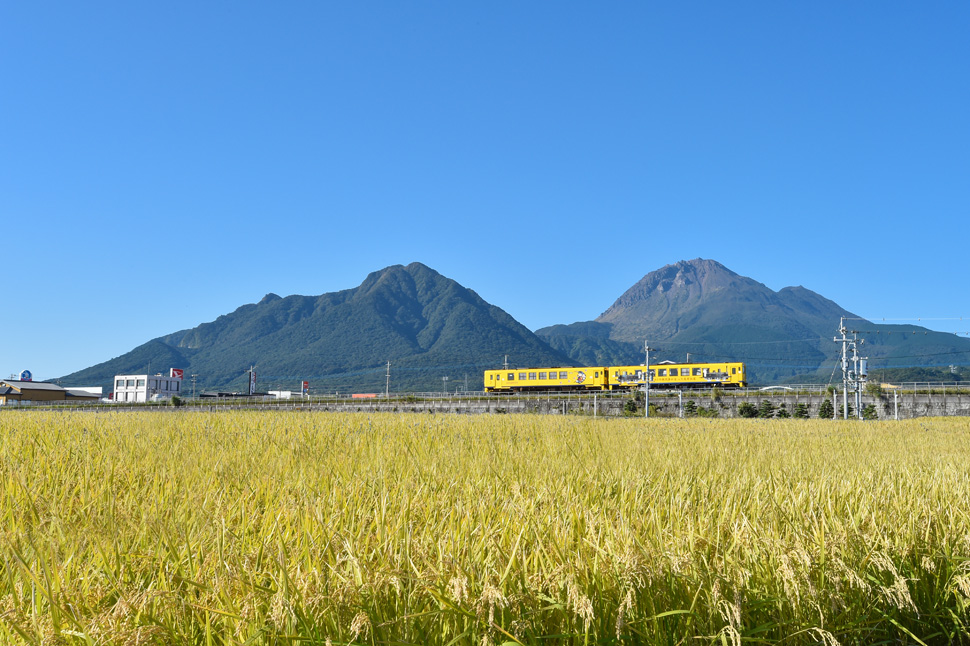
(164, 163)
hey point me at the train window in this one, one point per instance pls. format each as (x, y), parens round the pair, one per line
(521, 376)
(542, 375)
(697, 372)
(511, 376)
(684, 372)
(563, 374)
(662, 372)
(532, 375)
(652, 375)
(596, 374)
(733, 370)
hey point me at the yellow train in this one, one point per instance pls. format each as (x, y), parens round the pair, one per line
(662, 375)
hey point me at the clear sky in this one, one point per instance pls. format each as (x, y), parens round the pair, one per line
(164, 163)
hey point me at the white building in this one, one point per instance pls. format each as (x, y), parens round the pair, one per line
(143, 388)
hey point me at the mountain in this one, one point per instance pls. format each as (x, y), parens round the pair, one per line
(703, 308)
(428, 326)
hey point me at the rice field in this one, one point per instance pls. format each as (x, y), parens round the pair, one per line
(323, 528)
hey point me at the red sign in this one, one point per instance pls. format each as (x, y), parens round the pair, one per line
(176, 373)
(306, 387)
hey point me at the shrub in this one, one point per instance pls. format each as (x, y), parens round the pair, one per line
(630, 407)
(746, 409)
(826, 410)
(766, 410)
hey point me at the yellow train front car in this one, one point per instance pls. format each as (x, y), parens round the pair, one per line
(663, 375)
(521, 379)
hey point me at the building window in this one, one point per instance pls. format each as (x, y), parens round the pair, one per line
(130, 383)
(141, 383)
(176, 386)
(120, 383)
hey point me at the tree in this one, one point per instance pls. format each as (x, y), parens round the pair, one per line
(746, 409)
(801, 411)
(826, 410)
(690, 408)
(869, 412)
(782, 411)
(766, 410)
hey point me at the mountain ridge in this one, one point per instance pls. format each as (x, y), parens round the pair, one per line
(429, 326)
(409, 314)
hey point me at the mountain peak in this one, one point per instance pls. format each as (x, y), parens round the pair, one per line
(689, 279)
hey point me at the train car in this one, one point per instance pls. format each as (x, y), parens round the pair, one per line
(526, 379)
(679, 375)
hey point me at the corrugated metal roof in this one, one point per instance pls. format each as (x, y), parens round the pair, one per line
(29, 385)
(81, 394)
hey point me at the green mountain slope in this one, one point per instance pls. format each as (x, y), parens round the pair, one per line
(702, 308)
(426, 325)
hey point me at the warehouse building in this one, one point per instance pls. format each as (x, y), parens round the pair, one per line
(15, 392)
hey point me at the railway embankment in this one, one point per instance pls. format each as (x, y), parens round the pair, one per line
(931, 401)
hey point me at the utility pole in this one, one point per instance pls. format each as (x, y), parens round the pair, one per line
(646, 379)
(857, 374)
(444, 385)
(506, 362)
(387, 386)
(193, 385)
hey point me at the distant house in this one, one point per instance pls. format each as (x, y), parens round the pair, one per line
(23, 392)
(143, 388)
